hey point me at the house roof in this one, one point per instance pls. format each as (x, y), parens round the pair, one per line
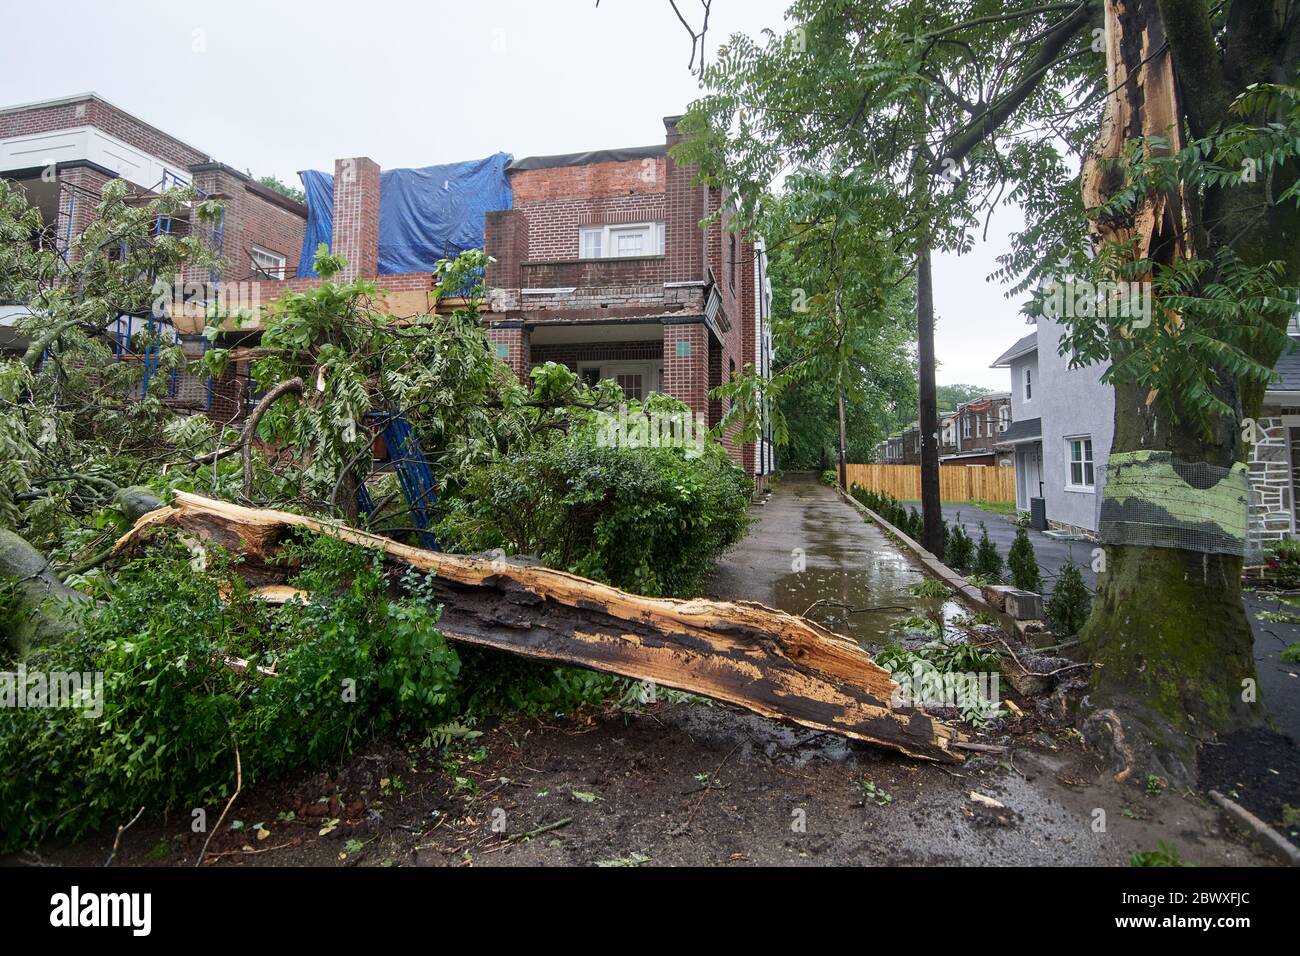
(592, 156)
(1027, 429)
(1288, 372)
(1023, 346)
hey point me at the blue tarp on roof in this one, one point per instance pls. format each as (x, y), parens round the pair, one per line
(426, 214)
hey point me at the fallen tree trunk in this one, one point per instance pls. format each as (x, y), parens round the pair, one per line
(767, 661)
(41, 600)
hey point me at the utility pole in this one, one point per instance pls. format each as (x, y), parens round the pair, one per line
(931, 513)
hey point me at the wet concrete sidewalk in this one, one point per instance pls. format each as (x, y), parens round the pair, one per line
(1051, 787)
(843, 558)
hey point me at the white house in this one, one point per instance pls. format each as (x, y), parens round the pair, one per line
(1063, 422)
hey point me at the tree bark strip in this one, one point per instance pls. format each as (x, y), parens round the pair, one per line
(766, 661)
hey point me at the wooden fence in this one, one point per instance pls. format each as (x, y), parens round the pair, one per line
(956, 482)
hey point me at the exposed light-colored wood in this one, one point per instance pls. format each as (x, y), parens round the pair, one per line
(770, 662)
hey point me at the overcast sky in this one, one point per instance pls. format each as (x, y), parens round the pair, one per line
(274, 87)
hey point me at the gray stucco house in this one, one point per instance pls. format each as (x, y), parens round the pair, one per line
(1063, 422)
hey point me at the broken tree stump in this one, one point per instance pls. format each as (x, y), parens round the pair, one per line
(767, 661)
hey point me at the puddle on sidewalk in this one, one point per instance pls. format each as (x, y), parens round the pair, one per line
(850, 569)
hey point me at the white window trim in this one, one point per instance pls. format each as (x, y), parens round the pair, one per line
(1069, 482)
(607, 233)
(651, 373)
(1026, 384)
(276, 271)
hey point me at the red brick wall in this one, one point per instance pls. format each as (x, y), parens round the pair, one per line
(686, 376)
(558, 200)
(249, 219)
(684, 208)
(516, 347)
(505, 237)
(356, 215)
(272, 227)
(79, 196)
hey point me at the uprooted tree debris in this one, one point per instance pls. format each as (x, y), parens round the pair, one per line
(766, 661)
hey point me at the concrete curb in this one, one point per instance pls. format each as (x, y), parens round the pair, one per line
(1264, 834)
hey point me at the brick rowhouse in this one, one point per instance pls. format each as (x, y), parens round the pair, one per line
(600, 265)
(653, 301)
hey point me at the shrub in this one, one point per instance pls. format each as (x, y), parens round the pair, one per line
(1068, 607)
(959, 551)
(988, 563)
(648, 520)
(1023, 563)
(1284, 562)
(173, 710)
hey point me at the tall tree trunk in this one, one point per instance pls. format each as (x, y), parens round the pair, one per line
(931, 509)
(1168, 625)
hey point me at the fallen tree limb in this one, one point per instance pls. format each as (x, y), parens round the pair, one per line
(767, 661)
(42, 600)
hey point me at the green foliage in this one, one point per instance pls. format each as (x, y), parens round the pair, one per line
(1070, 604)
(931, 588)
(288, 192)
(649, 520)
(350, 664)
(928, 664)
(959, 551)
(1291, 653)
(1165, 854)
(841, 323)
(889, 508)
(1283, 561)
(988, 563)
(66, 438)
(1023, 563)
(360, 658)
(876, 794)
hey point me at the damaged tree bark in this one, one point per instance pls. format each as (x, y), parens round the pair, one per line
(766, 661)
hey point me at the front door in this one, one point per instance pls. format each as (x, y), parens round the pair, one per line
(1029, 474)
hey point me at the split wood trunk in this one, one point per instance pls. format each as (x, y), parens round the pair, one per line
(767, 661)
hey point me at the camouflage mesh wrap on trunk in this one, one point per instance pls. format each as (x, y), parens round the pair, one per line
(1155, 500)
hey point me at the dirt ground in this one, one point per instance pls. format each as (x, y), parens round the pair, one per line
(687, 783)
(684, 784)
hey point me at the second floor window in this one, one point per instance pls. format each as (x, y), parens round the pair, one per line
(1029, 385)
(965, 426)
(1004, 418)
(621, 241)
(266, 264)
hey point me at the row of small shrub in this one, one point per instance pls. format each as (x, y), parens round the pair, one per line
(1069, 603)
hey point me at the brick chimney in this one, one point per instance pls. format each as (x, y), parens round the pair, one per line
(356, 216)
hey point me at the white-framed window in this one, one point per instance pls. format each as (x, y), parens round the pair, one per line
(979, 424)
(1027, 387)
(1081, 473)
(621, 241)
(267, 264)
(1004, 418)
(636, 379)
(965, 426)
